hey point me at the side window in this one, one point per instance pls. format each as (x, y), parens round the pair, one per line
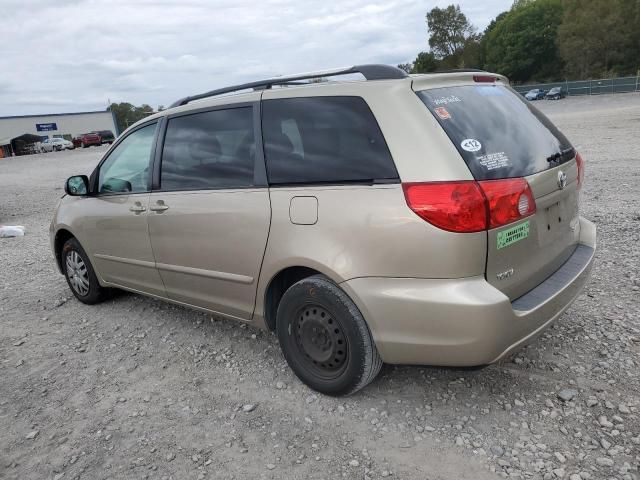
(126, 169)
(208, 150)
(323, 140)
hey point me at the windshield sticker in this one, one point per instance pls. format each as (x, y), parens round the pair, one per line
(446, 100)
(492, 161)
(489, 90)
(512, 235)
(471, 145)
(442, 113)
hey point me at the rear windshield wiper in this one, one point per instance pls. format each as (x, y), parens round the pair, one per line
(562, 156)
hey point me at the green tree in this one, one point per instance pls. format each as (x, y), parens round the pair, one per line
(522, 44)
(425, 62)
(127, 114)
(449, 30)
(485, 35)
(630, 63)
(596, 37)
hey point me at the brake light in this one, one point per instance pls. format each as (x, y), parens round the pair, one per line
(484, 78)
(470, 206)
(508, 200)
(452, 206)
(580, 165)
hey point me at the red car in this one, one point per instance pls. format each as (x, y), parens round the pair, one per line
(88, 139)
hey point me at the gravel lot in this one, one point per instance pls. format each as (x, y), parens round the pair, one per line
(137, 388)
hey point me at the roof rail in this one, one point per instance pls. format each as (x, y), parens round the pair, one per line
(460, 70)
(370, 72)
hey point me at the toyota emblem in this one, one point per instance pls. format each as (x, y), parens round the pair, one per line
(562, 179)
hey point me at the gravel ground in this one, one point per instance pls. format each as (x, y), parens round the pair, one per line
(137, 388)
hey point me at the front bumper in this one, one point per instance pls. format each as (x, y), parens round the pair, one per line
(465, 321)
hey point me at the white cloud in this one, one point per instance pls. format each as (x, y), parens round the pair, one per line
(73, 55)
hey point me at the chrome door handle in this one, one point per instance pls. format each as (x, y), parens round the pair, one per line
(159, 207)
(137, 208)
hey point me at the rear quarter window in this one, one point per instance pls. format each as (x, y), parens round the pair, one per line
(324, 140)
(498, 134)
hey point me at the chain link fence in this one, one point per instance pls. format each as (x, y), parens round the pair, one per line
(588, 87)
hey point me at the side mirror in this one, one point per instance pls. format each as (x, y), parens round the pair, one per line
(77, 185)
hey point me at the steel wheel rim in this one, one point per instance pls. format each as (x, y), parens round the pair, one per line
(77, 273)
(320, 341)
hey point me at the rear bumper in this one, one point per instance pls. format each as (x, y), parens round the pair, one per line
(465, 322)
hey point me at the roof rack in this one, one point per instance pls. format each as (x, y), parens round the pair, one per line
(370, 72)
(460, 70)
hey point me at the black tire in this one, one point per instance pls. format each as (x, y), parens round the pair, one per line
(325, 339)
(94, 293)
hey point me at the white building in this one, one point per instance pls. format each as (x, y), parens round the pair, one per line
(65, 125)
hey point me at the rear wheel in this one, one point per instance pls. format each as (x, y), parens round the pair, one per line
(80, 275)
(325, 339)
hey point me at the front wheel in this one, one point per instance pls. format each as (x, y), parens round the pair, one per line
(325, 339)
(80, 275)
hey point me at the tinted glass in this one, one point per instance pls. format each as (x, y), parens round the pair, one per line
(324, 140)
(127, 167)
(209, 150)
(498, 134)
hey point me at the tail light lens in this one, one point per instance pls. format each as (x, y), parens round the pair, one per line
(452, 206)
(508, 200)
(470, 206)
(580, 164)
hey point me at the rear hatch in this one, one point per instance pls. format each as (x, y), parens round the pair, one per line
(501, 136)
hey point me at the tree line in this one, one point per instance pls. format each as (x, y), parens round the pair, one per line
(538, 40)
(127, 114)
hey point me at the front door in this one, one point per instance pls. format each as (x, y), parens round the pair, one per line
(209, 218)
(115, 222)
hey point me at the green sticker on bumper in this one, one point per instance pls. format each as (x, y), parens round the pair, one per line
(512, 235)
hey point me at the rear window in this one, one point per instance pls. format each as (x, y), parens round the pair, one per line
(498, 134)
(324, 140)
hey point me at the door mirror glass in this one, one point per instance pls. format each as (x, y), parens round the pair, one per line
(77, 185)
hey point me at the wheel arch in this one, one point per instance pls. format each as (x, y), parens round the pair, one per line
(60, 238)
(282, 280)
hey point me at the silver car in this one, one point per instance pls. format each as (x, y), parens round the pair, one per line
(55, 145)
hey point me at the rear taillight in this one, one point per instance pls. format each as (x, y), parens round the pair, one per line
(470, 206)
(508, 200)
(580, 165)
(452, 206)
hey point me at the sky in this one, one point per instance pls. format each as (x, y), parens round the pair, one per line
(77, 55)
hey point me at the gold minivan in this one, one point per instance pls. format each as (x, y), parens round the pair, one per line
(407, 219)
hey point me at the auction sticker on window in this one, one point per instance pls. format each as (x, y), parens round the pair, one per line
(492, 161)
(447, 99)
(471, 145)
(442, 113)
(512, 235)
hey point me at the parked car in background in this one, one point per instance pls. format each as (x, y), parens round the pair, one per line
(88, 139)
(556, 93)
(55, 144)
(313, 211)
(535, 94)
(106, 136)
(77, 142)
